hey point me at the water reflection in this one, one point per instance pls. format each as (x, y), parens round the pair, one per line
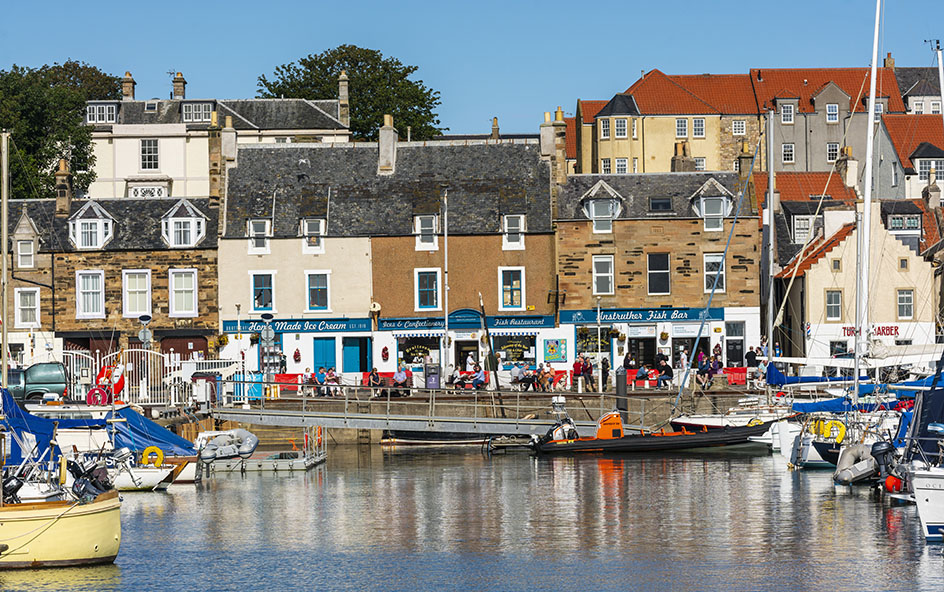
(408, 520)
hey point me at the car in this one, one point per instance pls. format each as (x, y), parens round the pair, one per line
(38, 380)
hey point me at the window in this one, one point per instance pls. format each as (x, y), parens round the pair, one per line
(634, 129)
(699, 163)
(894, 175)
(620, 130)
(905, 304)
(24, 254)
(832, 113)
(903, 264)
(605, 166)
(425, 228)
(935, 107)
(659, 273)
(904, 222)
(786, 151)
(604, 129)
(511, 280)
(149, 156)
(912, 222)
(737, 165)
(90, 294)
(635, 165)
(621, 166)
(426, 293)
(602, 212)
(879, 109)
(283, 140)
(786, 114)
(182, 232)
(738, 127)
(698, 127)
(681, 128)
(802, 228)
(714, 268)
(660, 204)
(318, 290)
(183, 292)
(258, 231)
(27, 308)
(136, 292)
(918, 107)
(837, 265)
(194, 112)
(262, 290)
(90, 234)
(101, 113)
(832, 151)
(513, 237)
(712, 210)
(150, 106)
(924, 168)
(602, 274)
(312, 229)
(833, 305)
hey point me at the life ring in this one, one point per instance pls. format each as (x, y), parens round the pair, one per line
(754, 422)
(816, 428)
(318, 437)
(97, 396)
(146, 456)
(112, 376)
(840, 430)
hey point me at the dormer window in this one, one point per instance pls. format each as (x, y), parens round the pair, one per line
(786, 114)
(513, 227)
(312, 231)
(183, 226)
(904, 223)
(150, 106)
(101, 113)
(91, 227)
(924, 168)
(425, 228)
(259, 232)
(712, 210)
(24, 254)
(196, 112)
(802, 228)
(602, 212)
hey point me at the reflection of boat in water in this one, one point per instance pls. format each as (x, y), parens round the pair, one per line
(420, 438)
(610, 437)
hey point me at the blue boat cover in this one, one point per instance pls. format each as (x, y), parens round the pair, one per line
(839, 405)
(777, 378)
(868, 389)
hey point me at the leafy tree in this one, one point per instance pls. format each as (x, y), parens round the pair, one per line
(44, 110)
(377, 85)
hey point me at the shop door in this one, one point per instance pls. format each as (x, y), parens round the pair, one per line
(734, 344)
(356, 354)
(680, 343)
(643, 349)
(324, 354)
(462, 352)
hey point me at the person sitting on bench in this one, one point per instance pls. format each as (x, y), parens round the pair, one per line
(400, 382)
(642, 373)
(374, 382)
(478, 379)
(665, 374)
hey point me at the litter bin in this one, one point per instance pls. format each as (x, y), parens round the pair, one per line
(432, 376)
(622, 403)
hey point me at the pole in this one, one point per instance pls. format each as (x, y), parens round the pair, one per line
(599, 350)
(445, 340)
(940, 77)
(5, 197)
(769, 224)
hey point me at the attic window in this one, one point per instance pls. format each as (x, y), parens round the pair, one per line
(660, 204)
(312, 231)
(90, 234)
(602, 212)
(258, 231)
(425, 228)
(196, 112)
(182, 232)
(904, 222)
(513, 232)
(150, 106)
(712, 210)
(101, 113)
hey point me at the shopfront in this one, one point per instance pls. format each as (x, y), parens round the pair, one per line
(516, 338)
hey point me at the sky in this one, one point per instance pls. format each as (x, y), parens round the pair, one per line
(511, 59)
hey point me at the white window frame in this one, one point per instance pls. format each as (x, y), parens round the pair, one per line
(622, 166)
(18, 321)
(80, 313)
(604, 129)
(832, 112)
(145, 156)
(421, 244)
(619, 128)
(591, 208)
(252, 289)
(101, 113)
(837, 314)
(507, 243)
(308, 275)
(102, 228)
(667, 272)
(635, 164)
(315, 235)
(174, 313)
(924, 168)
(918, 107)
(835, 155)
(787, 114)
(416, 289)
(935, 107)
(25, 260)
(267, 234)
(169, 231)
(196, 112)
(609, 259)
(879, 111)
(909, 292)
(126, 311)
(706, 275)
(811, 221)
(698, 122)
(501, 289)
(713, 222)
(681, 127)
(700, 163)
(605, 166)
(739, 127)
(783, 153)
(634, 128)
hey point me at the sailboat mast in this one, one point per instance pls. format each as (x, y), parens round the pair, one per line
(769, 224)
(940, 78)
(4, 199)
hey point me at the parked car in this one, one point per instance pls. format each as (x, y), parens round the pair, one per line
(36, 381)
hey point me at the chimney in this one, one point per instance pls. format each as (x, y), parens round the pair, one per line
(387, 157)
(547, 136)
(180, 87)
(344, 106)
(889, 61)
(215, 148)
(847, 167)
(744, 159)
(682, 162)
(63, 190)
(932, 193)
(495, 134)
(127, 87)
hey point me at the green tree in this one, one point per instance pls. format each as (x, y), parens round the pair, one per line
(44, 110)
(377, 85)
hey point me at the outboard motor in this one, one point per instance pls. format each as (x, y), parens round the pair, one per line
(11, 486)
(884, 454)
(85, 489)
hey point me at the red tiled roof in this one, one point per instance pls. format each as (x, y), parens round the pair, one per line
(658, 94)
(800, 186)
(589, 109)
(816, 251)
(907, 131)
(930, 233)
(728, 93)
(570, 138)
(804, 83)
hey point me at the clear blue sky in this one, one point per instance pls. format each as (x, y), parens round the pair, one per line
(513, 59)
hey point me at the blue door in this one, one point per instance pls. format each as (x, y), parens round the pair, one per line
(324, 354)
(356, 352)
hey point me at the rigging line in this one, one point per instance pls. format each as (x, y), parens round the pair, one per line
(724, 256)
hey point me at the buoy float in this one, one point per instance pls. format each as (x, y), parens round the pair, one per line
(840, 430)
(97, 396)
(893, 484)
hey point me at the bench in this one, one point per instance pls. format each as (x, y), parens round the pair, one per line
(386, 378)
(468, 376)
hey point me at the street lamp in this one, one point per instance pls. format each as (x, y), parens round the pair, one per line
(444, 353)
(145, 335)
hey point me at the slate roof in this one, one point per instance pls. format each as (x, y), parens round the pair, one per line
(621, 104)
(918, 82)
(805, 83)
(485, 180)
(909, 132)
(137, 222)
(635, 191)
(248, 114)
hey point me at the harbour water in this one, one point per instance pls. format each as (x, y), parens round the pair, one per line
(420, 520)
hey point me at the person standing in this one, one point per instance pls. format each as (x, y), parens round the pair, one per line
(577, 372)
(629, 362)
(588, 374)
(683, 359)
(751, 358)
(470, 363)
(605, 369)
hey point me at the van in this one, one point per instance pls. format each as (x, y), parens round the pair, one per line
(33, 383)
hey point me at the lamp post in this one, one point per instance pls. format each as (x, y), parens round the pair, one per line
(445, 340)
(599, 351)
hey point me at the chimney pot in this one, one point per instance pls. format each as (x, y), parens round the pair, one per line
(559, 114)
(180, 87)
(547, 117)
(495, 134)
(127, 87)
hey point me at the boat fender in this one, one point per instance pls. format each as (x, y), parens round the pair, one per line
(146, 456)
(318, 438)
(893, 484)
(840, 430)
(62, 470)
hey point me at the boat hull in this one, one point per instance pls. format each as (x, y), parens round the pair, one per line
(656, 442)
(61, 533)
(408, 438)
(265, 463)
(929, 497)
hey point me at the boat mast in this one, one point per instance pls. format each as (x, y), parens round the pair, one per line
(940, 75)
(4, 198)
(862, 289)
(769, 224)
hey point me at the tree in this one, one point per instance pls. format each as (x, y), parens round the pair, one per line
(44, 109)
(377, 85)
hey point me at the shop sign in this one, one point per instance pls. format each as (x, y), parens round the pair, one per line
(555, 350)
(878, 331)
(641, 331)
(299, 326)
(521, 322)
(686, 330)
(641, 315)
(465, 318)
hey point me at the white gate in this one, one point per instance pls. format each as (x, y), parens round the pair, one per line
(81, 368)
(149, 379)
